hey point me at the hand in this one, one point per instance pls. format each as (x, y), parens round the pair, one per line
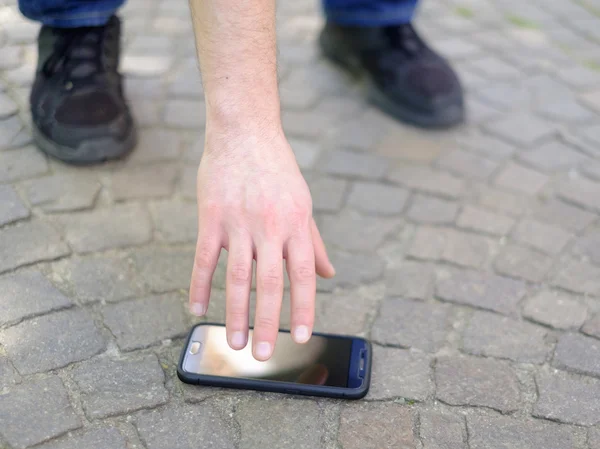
(254, 202)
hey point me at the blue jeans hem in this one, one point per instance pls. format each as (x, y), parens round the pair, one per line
(398, 16)
(73, 19)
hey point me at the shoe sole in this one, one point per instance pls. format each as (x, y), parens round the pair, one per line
(93, 151)
(445, 118)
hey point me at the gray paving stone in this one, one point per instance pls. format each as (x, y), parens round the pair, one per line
(117, 386)
(352, 270)
(12, 133)
(153, 181)
(521, 179)
(594, 438)
(485, 144)
(306, 152)
(376, 425)
(184, 427)
(21, 163)
(467, 250)
(428, 243)
(467, 164)
(300, 419)
(354, 232)
(408, 323)
(165, 269)
(482, 290)
(188, 114)
(186, 82)
(62, 193)
(295, 96)
(588, 246)
(377, 198)
(477, 382)
(28, 293)
(176, 221)
(157, 145)
(591, 169)
(22, 405)
(522, 129)
(506, 202)
(457, 48)
(115, 227)
(347, 163)
(431, 210)
(146, 113)
(30, 242)
(483, 220)
(480, 112)
(592, 133)
(327, 193)
(164, 317)
(410, 280)
(500, 432)
(307, 124)
(11, 207)
(194, 149)
(579, 77)
(581, 192)
(7, 106)
(439, 430)
(523, 263)
(541, 236)
(592, 99)
(11, 57)
(492, 335)
(21, 32)
(428, 180)
(567, 398)
(576, 276)
(555, 309)
(8, 375)
(562, 214)
(553, 156)
(578, 353)
(494, 68)
(505, 95)
(100, 438)
(400, 373)
(592, 327)
(343, 312)
(21, 76)
(145, 66)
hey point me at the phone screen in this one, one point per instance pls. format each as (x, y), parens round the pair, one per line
(320, 361)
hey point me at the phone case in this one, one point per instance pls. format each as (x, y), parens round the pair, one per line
(277, 386)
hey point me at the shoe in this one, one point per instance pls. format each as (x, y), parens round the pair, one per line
(405, 77)
(78, 108)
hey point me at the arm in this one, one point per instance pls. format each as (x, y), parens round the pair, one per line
(252, 198)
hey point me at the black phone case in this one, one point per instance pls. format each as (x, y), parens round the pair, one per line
(277, 386)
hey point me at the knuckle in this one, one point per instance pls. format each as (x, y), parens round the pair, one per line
(303, 274)
(204, 257)
(240, 274)
(271, 282)
(266, 323)
(237, 315)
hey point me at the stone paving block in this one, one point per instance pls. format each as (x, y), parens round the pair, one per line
(553, 156)
(351, 270)
(188, 114)
(11, 57)
(431, 210)
(428, 180)
(483, 220)
(400, 373)
(485, 144)
(117, 386)
(301, 420)
(343, 312)
(405, 144)
(306, 152)
(410, 280)
(457, 48)
(21, 405)
(567, 398)
(294, 96)
(591, 169)
(186, 81)
(62, 193)
(578, 353)
(579, 77)
(376, 425)
(163, 317)
(348, 163)
(100, 438)
(157, 145)
(581, 192)
(500, 432)
(21, 163)
(594, 438)
(541, 236)
(12, 134)
(564, 215)
(115, 227)
(184, 427)
(194, 149)
(592, 133)
(165, 269)
(8, 375)
(521, 129)
(7, 106)
(408, 323)
(21, 32)
(482, 290)
(555, 309)
(467, 250)
(187, 182)
(440, 430)
(523, 263)
(28, 293)
(592, 99)
(153, 181)
(468, 164)
(576, 276)
(11, 207)
(494, 68)
(480, 112)
(588, 246)
(327, 193)
(30, 242)
(377, 198)
(307, 124)
(146, 113)
(477, 382)
(492, 335)
(592, 327)
(505, 96)
(521, 179)
(428, 243)
(144, 88)
(354, 232)
(176, 221)
(506, 202)
(145, 66)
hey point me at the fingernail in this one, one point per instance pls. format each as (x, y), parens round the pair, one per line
(263, 350)
(301, 334)
(198, 309)
(238, 340)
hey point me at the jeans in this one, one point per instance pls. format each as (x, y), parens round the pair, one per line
(79, 13)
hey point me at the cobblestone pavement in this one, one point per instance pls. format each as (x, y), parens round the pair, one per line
(470, 257)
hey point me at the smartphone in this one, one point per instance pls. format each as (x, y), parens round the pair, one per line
(333, 366)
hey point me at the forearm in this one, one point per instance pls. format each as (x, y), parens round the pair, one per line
(237, 52)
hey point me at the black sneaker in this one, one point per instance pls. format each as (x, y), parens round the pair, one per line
(78, 108)
(406, 78)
